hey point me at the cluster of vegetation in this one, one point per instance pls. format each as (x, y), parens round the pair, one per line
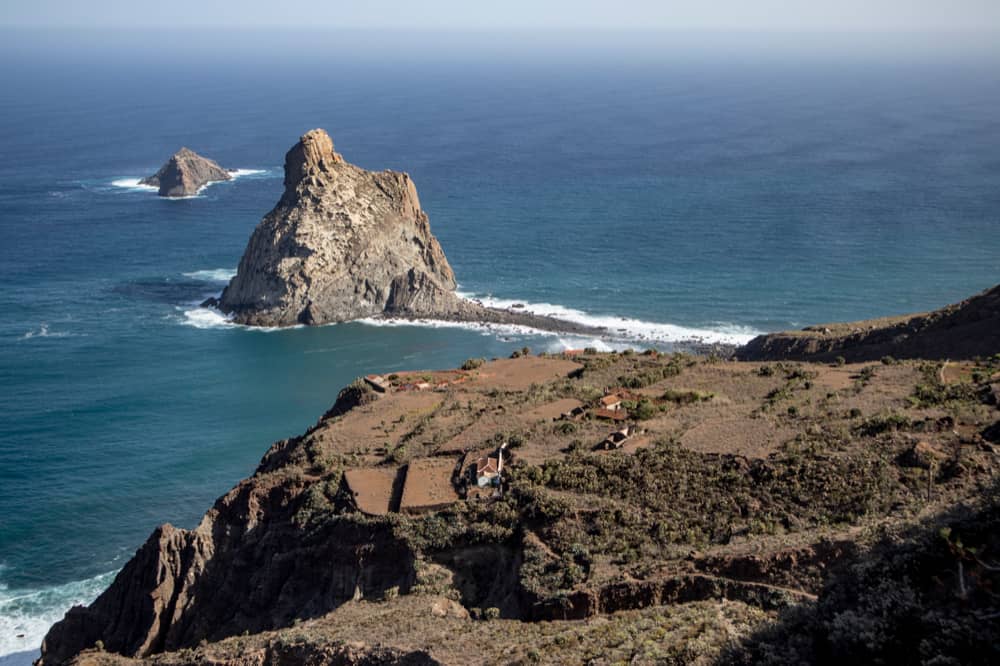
(923, 595)
(795, 378)
(883, 423)
(686, 397)
(669, 495)
(649, 374)
(641, 410)
(473, 363)
(932, 392)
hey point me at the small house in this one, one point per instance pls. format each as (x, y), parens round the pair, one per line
(617, 439)
(488, 469)
(612, 402)
(377, 382)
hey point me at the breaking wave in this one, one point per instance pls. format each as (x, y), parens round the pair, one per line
(622, 332)
(26, 614)
(625, 328)
(134, 185)
(213, 275)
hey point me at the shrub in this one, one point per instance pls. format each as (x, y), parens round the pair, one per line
(473, 363)
(644, 410)
(881, 423)
(566, 428)
(686, 397)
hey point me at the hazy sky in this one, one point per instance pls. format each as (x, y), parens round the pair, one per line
(754, 15)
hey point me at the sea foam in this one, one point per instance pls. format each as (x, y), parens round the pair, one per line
(621, 331)
(625, 328)
(26, 614)
(213, 275)
(134, 185)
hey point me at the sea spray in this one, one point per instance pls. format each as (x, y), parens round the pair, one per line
(27, 613)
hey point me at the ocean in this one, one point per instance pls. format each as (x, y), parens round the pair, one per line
(667, 197)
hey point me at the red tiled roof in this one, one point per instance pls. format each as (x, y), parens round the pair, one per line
(486, 466)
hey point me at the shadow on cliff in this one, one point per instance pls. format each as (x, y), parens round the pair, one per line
(249, 567)
(925, 594)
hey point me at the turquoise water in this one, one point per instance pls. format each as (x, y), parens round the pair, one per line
(687, 196)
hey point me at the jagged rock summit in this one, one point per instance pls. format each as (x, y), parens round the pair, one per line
(185, 173)
(343, 243)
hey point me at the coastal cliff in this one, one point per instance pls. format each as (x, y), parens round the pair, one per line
(738, 491)
(963, 330)
(185, 173)
(345, 243)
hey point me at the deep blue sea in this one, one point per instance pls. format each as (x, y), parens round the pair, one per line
(670, 197)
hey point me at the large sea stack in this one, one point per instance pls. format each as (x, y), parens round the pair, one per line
(343, 243)
(185, 173)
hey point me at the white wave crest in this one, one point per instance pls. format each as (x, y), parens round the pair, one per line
(133, 184)
(213, 274)
(204, 317)
(484, 328)
(44, 332)
(27, 614)
(625, 328)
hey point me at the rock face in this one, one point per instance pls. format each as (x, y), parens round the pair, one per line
(185, 173)
(963, 330)
(343, 243)
(247, 567)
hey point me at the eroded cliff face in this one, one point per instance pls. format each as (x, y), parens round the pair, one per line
(963, 330)
(343, 243)
(249, 566)
(185, 173)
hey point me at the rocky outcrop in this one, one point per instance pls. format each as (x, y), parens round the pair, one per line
(679, 589)
(185, 173)
(963, 330)
(249, 566)
(344, 243)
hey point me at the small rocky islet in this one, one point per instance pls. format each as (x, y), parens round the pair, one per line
(185, 174)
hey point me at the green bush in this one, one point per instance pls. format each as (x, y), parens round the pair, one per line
(644, 410)
(473, 363)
